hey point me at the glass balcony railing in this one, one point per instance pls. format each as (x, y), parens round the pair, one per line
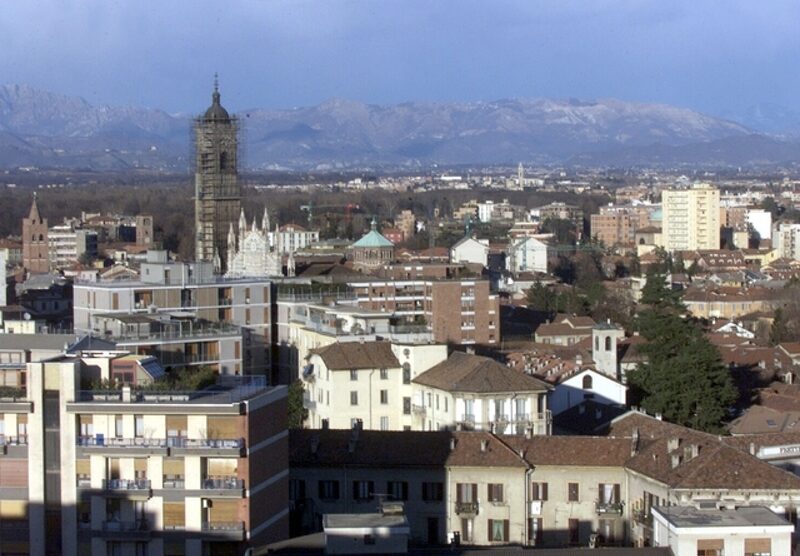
(223, 483)
(126, 484)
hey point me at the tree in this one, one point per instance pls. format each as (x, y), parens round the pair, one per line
(540, 298)
(778, 332)
(683, 377)
(656, 292)
(297, 413)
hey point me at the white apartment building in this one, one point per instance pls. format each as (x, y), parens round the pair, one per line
(470, 250)
(531, 254)
(365, 385)
(690, 218)
(67, 244)
(786, 240)
(761, 222)
(291, 237)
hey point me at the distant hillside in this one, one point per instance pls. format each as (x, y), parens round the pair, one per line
(50, 130)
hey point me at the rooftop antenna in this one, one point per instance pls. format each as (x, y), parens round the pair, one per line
(216, 82)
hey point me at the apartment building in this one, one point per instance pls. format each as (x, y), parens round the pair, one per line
(366, 384)
(786, 240)
(68, 244)
(456, 311)
(132, 470)
(565, 330)
(551, 491)
(617, 225)
(531, 254)
(690, 218)
(188, 291)
(291, 237)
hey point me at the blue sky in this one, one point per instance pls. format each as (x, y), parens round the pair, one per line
(708, 55)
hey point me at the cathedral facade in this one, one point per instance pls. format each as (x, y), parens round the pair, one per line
(249, 253)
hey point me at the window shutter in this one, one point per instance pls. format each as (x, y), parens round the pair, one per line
(405, 490)
(460, 493)
(505, 530)
(474, 492)
(499, 493)
(544, 491)
(355, 490)
(371, 485)
(617, 496)
(490, 530)
(756, 546)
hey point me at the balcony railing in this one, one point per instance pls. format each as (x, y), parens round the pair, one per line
(113, 442)
(223, 483)
(19, 440)
(205, 443)
(643, 517)
(174, 483)
(219, 526)
(419, 409)
(126, 526)
(126, 484)
(609, 508)
(308, 402)
(466, 508)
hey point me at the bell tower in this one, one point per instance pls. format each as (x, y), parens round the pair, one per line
(217, 190)
(35, 247)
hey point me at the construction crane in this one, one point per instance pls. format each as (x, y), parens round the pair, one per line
(349, 207)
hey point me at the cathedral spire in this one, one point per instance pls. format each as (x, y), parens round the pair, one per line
(265, 221)
(242, 223)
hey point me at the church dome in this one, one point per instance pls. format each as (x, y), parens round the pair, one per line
(216, 111)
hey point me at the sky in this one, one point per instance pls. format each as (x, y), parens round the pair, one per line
(712, 56)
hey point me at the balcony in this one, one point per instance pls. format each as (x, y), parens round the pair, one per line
(608, 508)
(178, 483)
(132, 489)
(224, 485)
(121, 446)
(467, 508)
(126, 530)
(207, 446)
(419, 409)
(229, 530)
(308, 402)
(16, 446)
(642, 517)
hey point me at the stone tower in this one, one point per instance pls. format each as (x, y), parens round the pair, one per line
(35, 248)
(605, 339)
(217, 191)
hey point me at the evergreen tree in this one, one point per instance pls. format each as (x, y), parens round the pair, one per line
(683, 377)
(297, 414)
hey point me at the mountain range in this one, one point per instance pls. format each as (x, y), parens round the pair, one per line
(44, 129)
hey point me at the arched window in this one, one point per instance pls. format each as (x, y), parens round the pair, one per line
(41, 237)
(608, 343)
(587, 382)
(223, 161)
(597, 343)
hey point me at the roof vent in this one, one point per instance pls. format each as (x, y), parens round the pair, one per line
(675, 460)
(673, 444)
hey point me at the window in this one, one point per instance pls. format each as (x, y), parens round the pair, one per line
(587, 382)
(356, 423)
(608, 343)
(495, 492)
(539, 491)
(607, 530)
(535, 534)
(369, 539)
(353, 398)
(384, 374)
(328, 490)
(406, 406)
(432, 492)
(384, 423)
(139, 422)
(467, 527)
(498, 530)
(118, 426)
(757, 547)
(466, 492)
(608, 493)
(573, 492)
(711, 547)
(397, 490)
(297, 489)
(384, 397)
(363, 490)
(406, 373)
(573, 526)
(353, 375)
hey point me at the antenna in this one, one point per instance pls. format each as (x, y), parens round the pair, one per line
(216, 82)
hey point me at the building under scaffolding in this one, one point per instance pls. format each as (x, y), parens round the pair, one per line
(217, 191)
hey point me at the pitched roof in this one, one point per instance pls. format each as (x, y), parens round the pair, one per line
(463, 372)
(573, 450)
(357, 355)
(399, 449)
(373, 238)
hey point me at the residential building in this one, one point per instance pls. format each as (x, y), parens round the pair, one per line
(193, 292)
(217, 190)
(531, 254)
(731, 302)
(689, 531)
(406, 222)
(290, 238)
(561, 211)
(565, 330)
(35, 246)
(471, 392)
(67, 244)
(786, 239)
(617, 225)
(760, 221)
(365, 384)
(460, 311)
(691, 218)
(140, 471)
(470, 250)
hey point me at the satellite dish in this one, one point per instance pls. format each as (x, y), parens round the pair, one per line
(26, 316)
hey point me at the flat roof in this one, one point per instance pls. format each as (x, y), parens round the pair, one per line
(55, 342)
(691, 517)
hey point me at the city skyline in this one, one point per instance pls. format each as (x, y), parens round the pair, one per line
(269, 55)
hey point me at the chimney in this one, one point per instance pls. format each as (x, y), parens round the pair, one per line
(484, 445)
(635, 442)
(452, 444)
